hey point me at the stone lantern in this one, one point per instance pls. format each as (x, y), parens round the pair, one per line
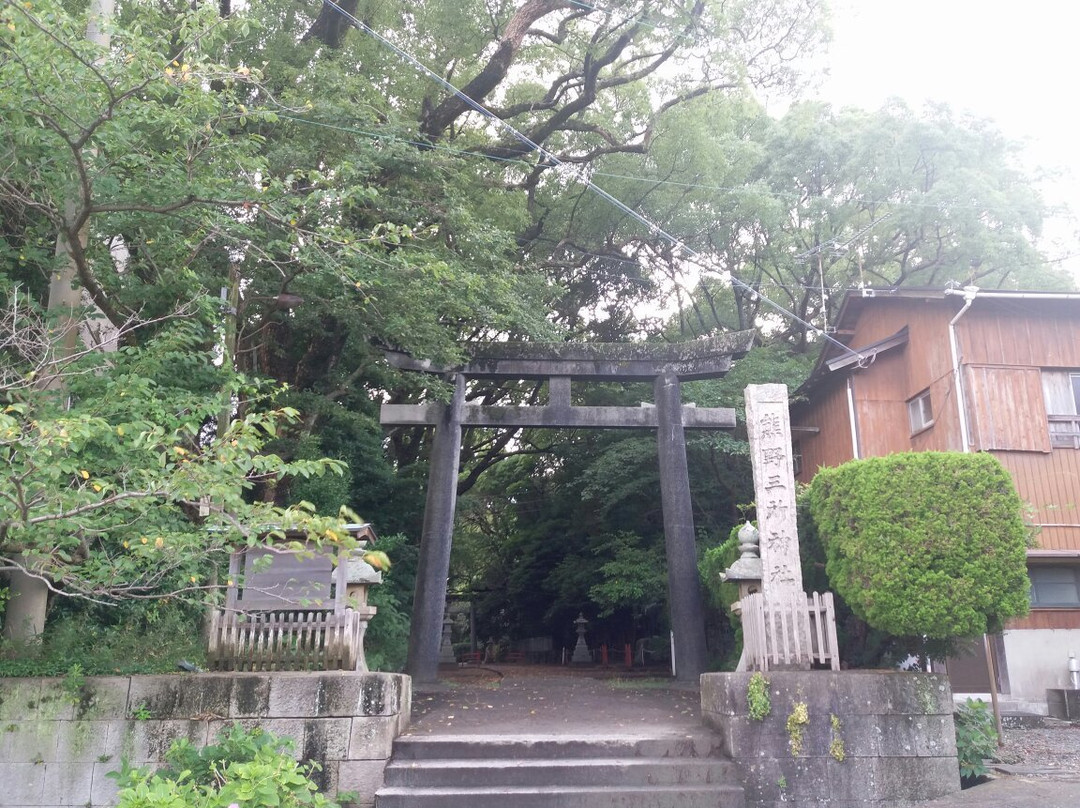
(359, 577)
(581, 650)
(746, 571)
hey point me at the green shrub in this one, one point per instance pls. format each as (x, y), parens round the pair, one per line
(124, 638)
(976, 738)
(245, 769)
(928, 544)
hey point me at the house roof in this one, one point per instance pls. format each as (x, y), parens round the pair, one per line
(841, 354)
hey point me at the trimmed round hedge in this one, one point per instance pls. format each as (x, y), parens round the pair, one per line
(924, 543)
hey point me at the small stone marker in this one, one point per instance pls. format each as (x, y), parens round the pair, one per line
(769, 428)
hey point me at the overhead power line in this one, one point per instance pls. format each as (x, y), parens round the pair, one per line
(683, 250)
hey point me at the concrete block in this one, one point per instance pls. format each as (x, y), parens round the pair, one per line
(916, 735)
(35, 700)
(105, 697)
(372, 737)
(916, 778)
(724, 693)
(1063, 704)
(854, 779)
(23, 782)
(335, 694)
(82, 741)
(295, 695)
(151, 739)
(31, 742)
(365, 777)
(204, 696)
(103, 788)
(324, 775)
(67, 783)
(326, 739)
(250, 696)
(788, 779)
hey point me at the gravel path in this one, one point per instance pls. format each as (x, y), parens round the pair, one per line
(1048, 753)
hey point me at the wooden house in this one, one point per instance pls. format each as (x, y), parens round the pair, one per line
(969, 370)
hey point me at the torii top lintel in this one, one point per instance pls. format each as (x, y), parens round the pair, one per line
(560, 364)
(707, 358)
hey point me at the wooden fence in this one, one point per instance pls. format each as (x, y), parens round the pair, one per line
(286, 640)
(789, 630)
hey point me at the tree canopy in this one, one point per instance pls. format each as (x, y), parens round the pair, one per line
(261, 198)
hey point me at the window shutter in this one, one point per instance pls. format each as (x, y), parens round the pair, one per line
(1007, 409)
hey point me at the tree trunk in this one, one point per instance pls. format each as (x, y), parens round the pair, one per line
(24, 615)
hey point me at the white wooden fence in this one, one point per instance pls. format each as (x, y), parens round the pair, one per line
(789, 630)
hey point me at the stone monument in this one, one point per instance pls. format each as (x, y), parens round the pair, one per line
(769, 429)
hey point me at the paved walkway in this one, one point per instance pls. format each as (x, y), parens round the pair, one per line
(528, 700)
(522, 700)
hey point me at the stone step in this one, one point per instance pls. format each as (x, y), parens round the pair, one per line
(470, 771)
(638, 771)
(690, 745)
(598, 796)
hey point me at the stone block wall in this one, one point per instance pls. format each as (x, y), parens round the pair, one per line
(880, 739)
(60, 737)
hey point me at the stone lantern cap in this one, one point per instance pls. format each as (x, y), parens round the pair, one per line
(748, 566)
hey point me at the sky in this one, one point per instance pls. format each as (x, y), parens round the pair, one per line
(1015, 63)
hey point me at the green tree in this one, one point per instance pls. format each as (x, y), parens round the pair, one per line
(120, 490)
(926, 544)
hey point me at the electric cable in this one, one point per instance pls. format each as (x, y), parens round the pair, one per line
(578, 175)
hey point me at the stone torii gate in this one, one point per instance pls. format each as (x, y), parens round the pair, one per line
(559, 364)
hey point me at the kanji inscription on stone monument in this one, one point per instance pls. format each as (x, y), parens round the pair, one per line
(769, 429)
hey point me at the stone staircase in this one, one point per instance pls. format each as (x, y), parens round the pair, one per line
(469, 771)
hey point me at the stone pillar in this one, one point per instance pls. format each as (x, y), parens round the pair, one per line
(434, 563)
(684, 590)
(769, 428)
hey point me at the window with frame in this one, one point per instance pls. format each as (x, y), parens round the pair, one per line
(1061, 391)
(920, 412)
(1054, 586)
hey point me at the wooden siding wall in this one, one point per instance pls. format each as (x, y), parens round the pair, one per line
(1050, 484)
(1047, 619)
(831, 445)
(1002, 344)
(1018, 333)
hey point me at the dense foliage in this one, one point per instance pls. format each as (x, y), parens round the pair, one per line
(244, 768)
(254, 200)
(924, 543)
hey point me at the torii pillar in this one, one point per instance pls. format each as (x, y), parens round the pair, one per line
(433, 567)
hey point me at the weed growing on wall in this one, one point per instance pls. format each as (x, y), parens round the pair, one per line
(757, 697)
(797, 721)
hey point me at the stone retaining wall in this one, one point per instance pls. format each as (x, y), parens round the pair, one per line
(60, 737)
(880, 739)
